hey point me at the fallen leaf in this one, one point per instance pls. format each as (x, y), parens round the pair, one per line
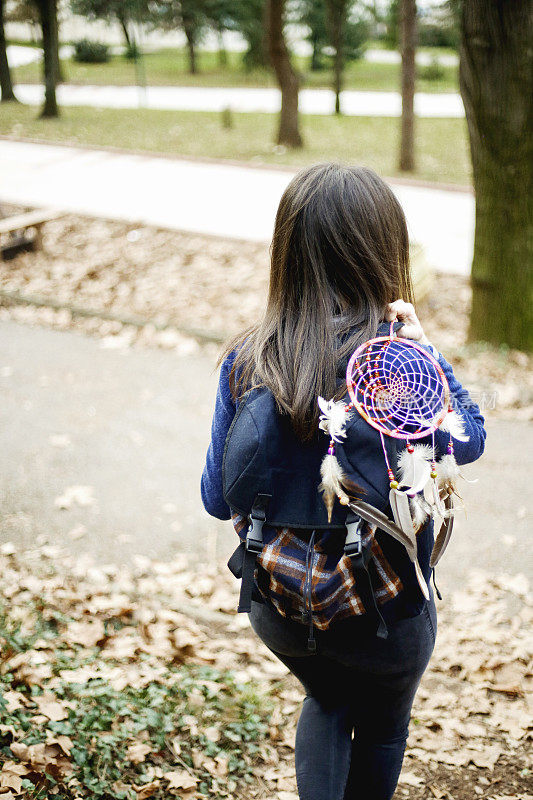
(180, 779)
(79, 495)
(87, 633)
(148, 790)
(48, 705)
(410, 779)
(212, 733)
(137, 752)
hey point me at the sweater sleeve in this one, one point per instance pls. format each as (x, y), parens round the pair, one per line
(211, 483)
(474, 422)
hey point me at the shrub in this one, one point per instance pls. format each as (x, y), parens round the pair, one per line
(89, 52)
(132, 51)
(434, 71)
(432, 34)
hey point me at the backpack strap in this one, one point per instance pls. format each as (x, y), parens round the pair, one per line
(252, 547)
(360, 556)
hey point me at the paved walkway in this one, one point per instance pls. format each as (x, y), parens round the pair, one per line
(423, 58)
(193, 98)
(19, 56)
(211, 198)
(133, 425)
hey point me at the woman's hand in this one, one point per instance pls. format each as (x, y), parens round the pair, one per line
(405, 312)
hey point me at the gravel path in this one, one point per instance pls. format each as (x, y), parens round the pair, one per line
(129, 428)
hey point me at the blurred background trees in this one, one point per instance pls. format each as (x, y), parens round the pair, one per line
(316, 43)
(6, 85)
(126, 12)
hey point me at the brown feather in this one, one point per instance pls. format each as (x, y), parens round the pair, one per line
(352, 487)
(443, 536)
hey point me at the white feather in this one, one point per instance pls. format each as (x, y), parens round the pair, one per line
(438, 505)
(331, 486)
(454, 424)
(333, 418)
(447, 471)
(420, 510)
(331, 474)
(415, 467)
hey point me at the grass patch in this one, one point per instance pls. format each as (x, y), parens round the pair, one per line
(441, 144)
(168, 67)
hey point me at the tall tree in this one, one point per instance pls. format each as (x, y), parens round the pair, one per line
(249, 19)
(313, 16)
(6, 85)
(189, 15)
(337, 13)
(218, 15)
(496, 79)
(191, 22)
(392, 22)
(125, 12)
(48, 16)
(408, 48)
(288, 131)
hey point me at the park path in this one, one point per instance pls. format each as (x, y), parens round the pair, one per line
(216, 198)
(133, 426)
(265, 100)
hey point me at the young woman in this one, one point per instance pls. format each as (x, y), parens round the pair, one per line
(339, 268)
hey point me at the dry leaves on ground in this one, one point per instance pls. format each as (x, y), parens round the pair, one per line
(102, 666)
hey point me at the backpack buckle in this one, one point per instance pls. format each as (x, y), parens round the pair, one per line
(353, 546)
(254, 536)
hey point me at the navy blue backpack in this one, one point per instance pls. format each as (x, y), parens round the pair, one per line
(290, 556)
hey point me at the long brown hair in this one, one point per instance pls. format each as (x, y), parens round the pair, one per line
(339, 255)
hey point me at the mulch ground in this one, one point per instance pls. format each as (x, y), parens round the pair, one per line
(219, 287)
(144, 682)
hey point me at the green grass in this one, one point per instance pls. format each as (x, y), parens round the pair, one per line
(441, 144)
(101, 722)
(168, 67)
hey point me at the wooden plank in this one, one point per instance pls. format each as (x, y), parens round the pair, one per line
(32, 219)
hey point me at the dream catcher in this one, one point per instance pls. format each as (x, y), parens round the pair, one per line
(402, 392)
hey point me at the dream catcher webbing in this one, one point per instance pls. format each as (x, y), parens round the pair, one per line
(400, 389)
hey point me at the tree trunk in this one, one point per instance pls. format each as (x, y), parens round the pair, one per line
(408, 47)
(191, 46)
(315, 53)
(6, 86)
(222, 52)
(337, 18)
(496, 80)
(288, 132)
(59, 68)
(48, 12)
(124, 25)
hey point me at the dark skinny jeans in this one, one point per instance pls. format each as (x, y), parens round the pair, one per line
(356, 686)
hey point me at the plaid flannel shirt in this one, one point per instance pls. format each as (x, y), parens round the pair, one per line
(334, 594)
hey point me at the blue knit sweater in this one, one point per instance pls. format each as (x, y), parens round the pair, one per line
(225, 408)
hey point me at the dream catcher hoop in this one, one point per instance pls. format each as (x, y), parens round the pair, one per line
(400, 389)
